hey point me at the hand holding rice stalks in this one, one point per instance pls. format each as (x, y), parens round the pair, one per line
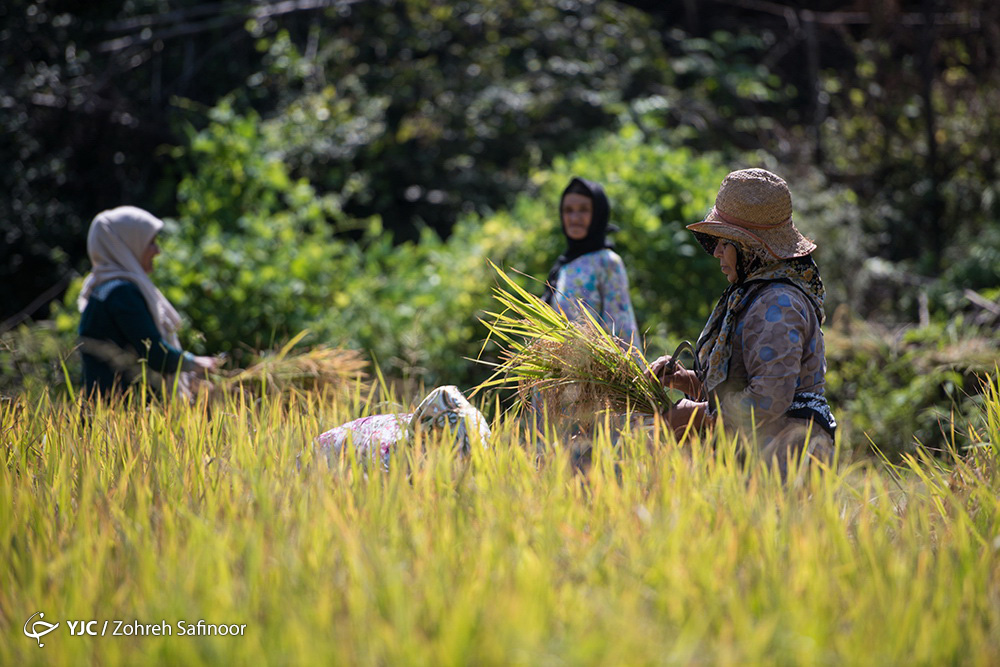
(573, 365)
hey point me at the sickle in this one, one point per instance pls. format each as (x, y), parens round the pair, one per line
(671, 365)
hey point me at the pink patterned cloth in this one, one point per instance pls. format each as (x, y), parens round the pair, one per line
(376, 436)
(373, 437)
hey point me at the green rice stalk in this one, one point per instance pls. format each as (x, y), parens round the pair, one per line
(570, 365)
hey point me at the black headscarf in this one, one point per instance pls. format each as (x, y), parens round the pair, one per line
(596, 238)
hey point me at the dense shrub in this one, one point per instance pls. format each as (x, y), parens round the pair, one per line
(899, 389)
(416, 305)
(252, 257)
(38, 355)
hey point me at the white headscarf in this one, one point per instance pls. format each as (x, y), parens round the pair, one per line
(117, 240)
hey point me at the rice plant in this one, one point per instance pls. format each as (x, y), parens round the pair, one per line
(222, 512)
(573, 364)
(288, 370)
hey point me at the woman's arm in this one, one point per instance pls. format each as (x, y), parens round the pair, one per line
(131, 315)
(688, 414)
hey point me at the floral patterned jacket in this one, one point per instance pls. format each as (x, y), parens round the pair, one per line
(598, 279)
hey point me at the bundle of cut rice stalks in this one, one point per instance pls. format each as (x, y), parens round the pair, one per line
(571, 367)
(285, 371)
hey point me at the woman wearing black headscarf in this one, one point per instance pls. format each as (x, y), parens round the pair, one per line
(589, 271)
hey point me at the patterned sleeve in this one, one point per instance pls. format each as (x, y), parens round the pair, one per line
(577, 282)
(773, 332)
(617, 303)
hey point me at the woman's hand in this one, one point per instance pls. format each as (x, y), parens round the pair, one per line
(205, 364)
(676, 377)
(687, 412)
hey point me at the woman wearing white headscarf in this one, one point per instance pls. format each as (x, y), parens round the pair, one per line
(126, 319)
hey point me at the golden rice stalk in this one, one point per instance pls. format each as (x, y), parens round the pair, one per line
(572, 365)
(315, 369)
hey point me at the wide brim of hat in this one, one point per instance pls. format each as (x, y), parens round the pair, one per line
(781, 242)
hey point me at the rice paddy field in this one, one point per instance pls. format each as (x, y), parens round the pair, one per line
(657, 553)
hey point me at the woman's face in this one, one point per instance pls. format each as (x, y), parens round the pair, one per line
(725, 252)
(577, 210)
(151, 251)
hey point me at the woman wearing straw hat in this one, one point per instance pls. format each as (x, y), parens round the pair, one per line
(760, 359)
(126, 319)
(589, 271)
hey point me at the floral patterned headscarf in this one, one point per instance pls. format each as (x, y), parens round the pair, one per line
(715, 344)
(446, 407)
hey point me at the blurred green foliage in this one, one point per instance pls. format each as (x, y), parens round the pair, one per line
(912, 128)
(897, 389)
(256, 256)
(251, 258)
(349, 169)
(442, 109)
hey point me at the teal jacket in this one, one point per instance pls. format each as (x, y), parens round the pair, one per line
(118, 332)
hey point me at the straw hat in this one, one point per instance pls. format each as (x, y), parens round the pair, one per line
(754, 209)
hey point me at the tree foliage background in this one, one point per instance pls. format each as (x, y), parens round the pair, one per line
(348, 165)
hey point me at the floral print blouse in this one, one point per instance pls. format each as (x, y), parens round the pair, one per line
(598, 279)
